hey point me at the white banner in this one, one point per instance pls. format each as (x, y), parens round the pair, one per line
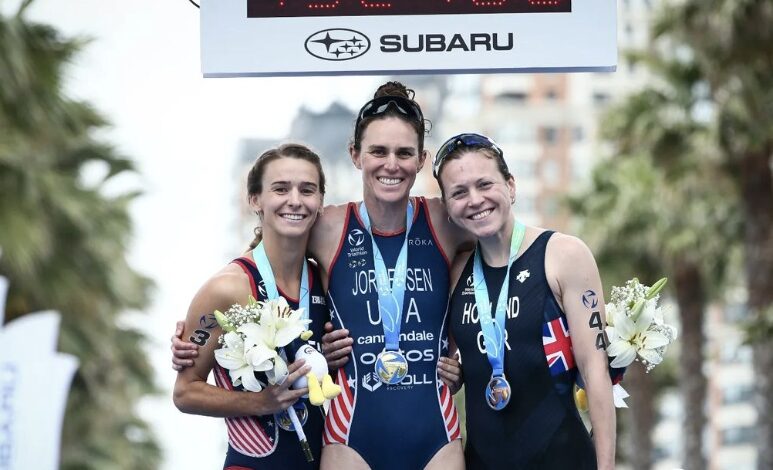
(34, 384)
(345, 37)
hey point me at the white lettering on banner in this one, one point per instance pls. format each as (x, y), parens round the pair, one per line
(8, 380)
(416, 280)
(470, 311)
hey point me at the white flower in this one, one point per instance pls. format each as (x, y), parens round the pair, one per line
(232, 357)
(253, 334)
(611, 309)
(282, 323)
(631, 336)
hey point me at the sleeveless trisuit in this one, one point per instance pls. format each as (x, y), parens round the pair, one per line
(391, 426)
(257, 442)
(540, 427)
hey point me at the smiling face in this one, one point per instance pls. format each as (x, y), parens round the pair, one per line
(389, 158)
(477, 196)
(290, 198)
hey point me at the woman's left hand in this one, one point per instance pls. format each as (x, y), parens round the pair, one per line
(450, 372)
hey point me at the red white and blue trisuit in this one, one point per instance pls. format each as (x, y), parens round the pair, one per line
(540, 427)
(391, 426)
(257, 442)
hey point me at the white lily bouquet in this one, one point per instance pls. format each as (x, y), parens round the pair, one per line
(253, 338)
(636, 329)
(253, 334)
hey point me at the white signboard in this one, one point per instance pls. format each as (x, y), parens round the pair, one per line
(359, 37)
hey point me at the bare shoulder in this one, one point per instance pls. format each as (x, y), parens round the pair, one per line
(332, 218)
(228, 286)
(326, 232)
(454, 240)
(569, 263)
(567, 248)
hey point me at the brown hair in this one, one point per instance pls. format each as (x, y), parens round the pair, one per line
(461, 150)
(255, 176)
(393, 88)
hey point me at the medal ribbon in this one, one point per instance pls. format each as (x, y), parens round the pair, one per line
(264, 267)
(391, 296)
(494, 328)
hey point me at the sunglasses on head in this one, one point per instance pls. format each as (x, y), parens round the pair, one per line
(382, 104)
(463, 140)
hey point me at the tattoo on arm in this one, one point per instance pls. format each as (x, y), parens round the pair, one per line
(200, 337)
(208, 321)
(591, 301)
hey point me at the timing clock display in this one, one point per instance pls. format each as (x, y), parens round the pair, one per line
(300, 8)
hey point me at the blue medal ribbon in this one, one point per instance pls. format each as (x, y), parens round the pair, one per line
(494, 328)
(391, 296)
(272, 292)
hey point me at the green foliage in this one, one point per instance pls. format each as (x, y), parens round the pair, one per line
(64, 246)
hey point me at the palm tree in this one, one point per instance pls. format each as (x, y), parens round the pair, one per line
(646, 212)
(732, 42)
(64, 246)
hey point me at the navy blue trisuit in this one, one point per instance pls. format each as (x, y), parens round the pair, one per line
(391, 426)
(540, 428)
(257, 442)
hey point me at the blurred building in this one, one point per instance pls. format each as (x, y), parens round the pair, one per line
(547, 124)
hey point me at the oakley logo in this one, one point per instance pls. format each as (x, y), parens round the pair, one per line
(337, 44)
(356, 237)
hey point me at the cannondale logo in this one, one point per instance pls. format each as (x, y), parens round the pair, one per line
(356, 237)
(337, 44)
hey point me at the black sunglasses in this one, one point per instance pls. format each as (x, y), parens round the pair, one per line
(463, 140)
(380, 105)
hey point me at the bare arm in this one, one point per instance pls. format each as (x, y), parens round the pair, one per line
(450, 368)
(192, 393)
(573, 276)
(453, 239)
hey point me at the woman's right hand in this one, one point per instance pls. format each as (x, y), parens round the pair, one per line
(336, 346)
(183, 352)
(276, 398)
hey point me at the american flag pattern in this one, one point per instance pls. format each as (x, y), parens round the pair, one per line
(246, 434)
(339, 417)
(450, 415)
(557, 345)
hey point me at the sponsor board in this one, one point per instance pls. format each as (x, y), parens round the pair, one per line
(273, 38)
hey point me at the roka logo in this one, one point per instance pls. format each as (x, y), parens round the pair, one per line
(337, 44)
(356, 237)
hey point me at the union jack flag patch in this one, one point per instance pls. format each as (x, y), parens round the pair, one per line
(558, 346)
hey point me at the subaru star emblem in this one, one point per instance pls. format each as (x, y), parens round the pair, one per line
(337, 44)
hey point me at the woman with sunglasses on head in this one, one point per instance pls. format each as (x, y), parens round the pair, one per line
(514, 301)
(386, 269)
(286, 187)
(388, 279)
